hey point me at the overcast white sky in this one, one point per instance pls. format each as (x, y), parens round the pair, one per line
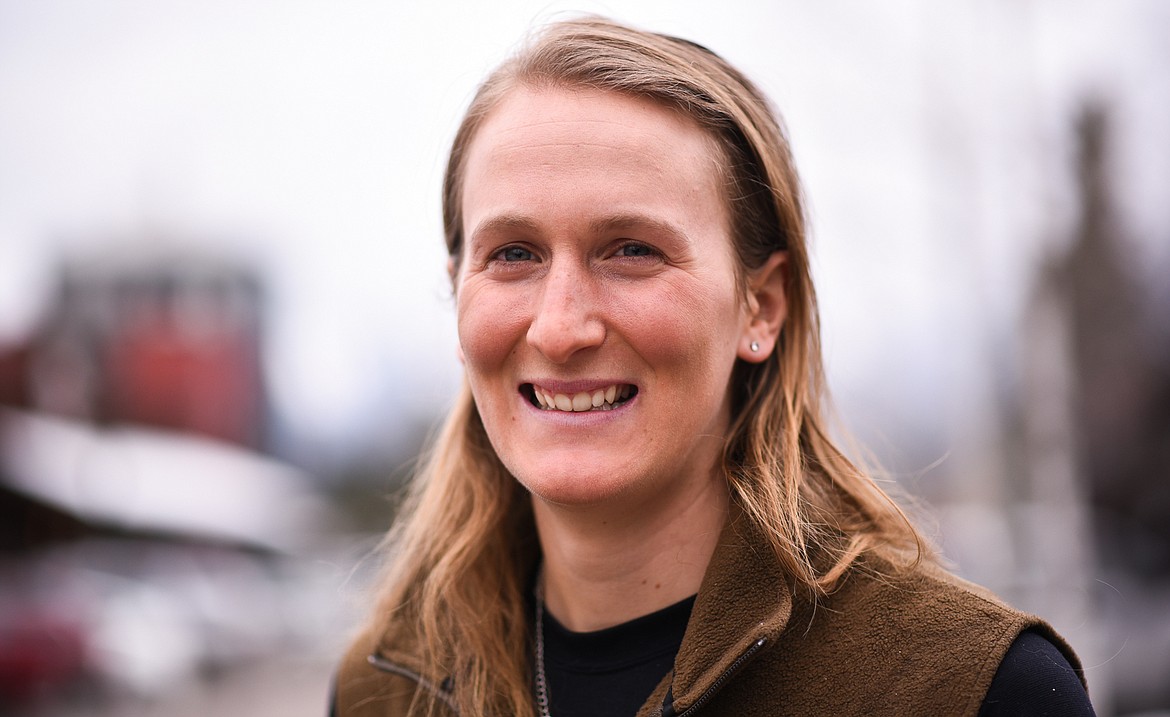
(308, 137)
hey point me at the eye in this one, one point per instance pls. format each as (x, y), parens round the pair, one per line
(513, 254)
(634, 249)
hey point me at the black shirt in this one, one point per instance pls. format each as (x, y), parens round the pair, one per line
(1035, 679)
(611, 671)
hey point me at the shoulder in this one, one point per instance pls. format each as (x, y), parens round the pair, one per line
(356, 681)
(954, 633)
(369, 683)
(927, 608)
(1035, 678)
(913, 641)
(929, 601)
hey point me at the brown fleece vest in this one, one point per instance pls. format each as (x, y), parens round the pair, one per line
(922, 643)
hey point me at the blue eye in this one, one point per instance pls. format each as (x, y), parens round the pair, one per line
(515, 253)
(635, 250)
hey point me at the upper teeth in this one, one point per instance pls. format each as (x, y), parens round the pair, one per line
(601, 399)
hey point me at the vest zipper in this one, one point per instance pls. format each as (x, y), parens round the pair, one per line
(440, 691)
(740, 661)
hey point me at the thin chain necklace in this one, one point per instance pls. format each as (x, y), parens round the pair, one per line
(541, 680)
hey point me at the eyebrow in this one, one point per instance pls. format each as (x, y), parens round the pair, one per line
(601, 225)
(619, 222)
(504, 222)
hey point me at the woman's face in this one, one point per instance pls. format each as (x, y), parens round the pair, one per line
(599, 316)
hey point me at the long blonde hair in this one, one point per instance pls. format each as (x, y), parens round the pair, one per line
(466, 544)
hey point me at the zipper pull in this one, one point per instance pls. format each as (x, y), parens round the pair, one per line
(668, 702)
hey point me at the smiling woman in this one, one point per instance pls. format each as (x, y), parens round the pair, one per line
(635, 508)
(599, 262)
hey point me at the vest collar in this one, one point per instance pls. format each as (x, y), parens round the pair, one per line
(744, 604)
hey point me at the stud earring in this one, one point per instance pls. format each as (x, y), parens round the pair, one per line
(755, 346)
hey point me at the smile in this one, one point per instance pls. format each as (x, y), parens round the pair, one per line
(601, 399)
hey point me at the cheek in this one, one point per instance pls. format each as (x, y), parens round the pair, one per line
(689, 330)
(489, 325)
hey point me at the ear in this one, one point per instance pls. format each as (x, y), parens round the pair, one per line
(767, 305)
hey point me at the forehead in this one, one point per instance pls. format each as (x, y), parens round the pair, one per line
(553, 143)
(527, 109)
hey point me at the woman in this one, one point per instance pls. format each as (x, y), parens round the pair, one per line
(635, 506)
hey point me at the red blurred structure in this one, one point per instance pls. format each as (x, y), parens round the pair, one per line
(40, 649)
(165, 341)
(135, 553)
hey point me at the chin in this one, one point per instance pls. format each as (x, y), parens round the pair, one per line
(575, 488)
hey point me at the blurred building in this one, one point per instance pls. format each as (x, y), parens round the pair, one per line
(1093, 413)
(144, 538)
(149, 339)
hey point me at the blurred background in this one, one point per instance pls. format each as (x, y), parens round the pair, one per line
(226, 330)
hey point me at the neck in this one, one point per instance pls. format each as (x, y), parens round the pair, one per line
(603, 567)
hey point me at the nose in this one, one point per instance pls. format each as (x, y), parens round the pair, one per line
(567, 316)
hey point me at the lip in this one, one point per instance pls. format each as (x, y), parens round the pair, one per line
(577, 386)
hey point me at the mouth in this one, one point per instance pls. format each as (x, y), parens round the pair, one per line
(600, 399)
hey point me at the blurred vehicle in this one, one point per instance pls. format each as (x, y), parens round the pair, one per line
(134, 560)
